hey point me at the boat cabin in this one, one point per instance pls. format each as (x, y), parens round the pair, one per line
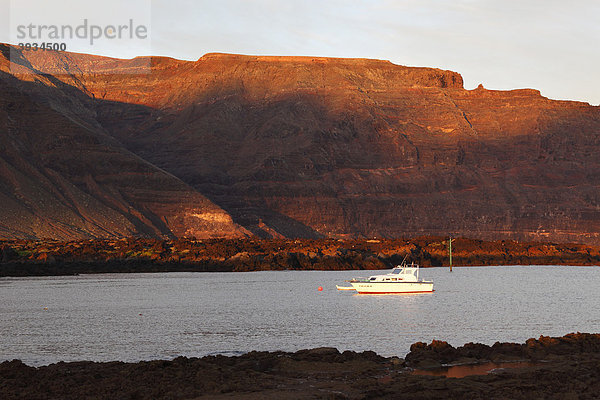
(405, 273)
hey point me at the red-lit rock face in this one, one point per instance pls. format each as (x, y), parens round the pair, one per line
(301, 146)
(63, 177)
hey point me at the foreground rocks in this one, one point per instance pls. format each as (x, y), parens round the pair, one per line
(566, 368)
(23, 258)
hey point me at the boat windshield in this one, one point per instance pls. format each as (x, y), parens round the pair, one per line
(396, 270)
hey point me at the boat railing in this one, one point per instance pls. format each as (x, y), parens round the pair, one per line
(357, 280)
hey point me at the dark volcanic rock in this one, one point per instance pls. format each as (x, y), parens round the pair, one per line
(310, 147)
(540, 349)
(570, 371)
(7, 254)
(27, 258)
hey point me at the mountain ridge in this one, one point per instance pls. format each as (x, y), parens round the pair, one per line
(318, 147)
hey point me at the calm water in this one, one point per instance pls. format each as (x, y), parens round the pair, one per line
(97, 317)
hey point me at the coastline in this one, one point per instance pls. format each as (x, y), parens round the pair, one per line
(51, 258)
(558, 368)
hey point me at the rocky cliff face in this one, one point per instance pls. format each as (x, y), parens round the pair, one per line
(301, 146)
(63, 177)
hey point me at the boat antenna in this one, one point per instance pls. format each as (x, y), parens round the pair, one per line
(402, 263)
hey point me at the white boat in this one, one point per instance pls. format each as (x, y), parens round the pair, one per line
(402, 279)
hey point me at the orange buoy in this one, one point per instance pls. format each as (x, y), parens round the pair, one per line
(320, 289)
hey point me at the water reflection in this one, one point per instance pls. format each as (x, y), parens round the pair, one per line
(460, 371)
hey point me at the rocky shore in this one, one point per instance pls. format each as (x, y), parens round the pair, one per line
(30, 258)
(560, 368)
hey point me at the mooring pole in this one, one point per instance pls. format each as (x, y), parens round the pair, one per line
(450, 251)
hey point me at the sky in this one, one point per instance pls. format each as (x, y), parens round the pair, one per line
(553, 46)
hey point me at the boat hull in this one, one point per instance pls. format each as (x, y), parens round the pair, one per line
(392, 287)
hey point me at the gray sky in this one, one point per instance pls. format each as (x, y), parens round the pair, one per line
(549, 45)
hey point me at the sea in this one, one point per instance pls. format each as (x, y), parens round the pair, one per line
(134, 317)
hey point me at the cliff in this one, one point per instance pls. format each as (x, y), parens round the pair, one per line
(63, 177)
(322, 147)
